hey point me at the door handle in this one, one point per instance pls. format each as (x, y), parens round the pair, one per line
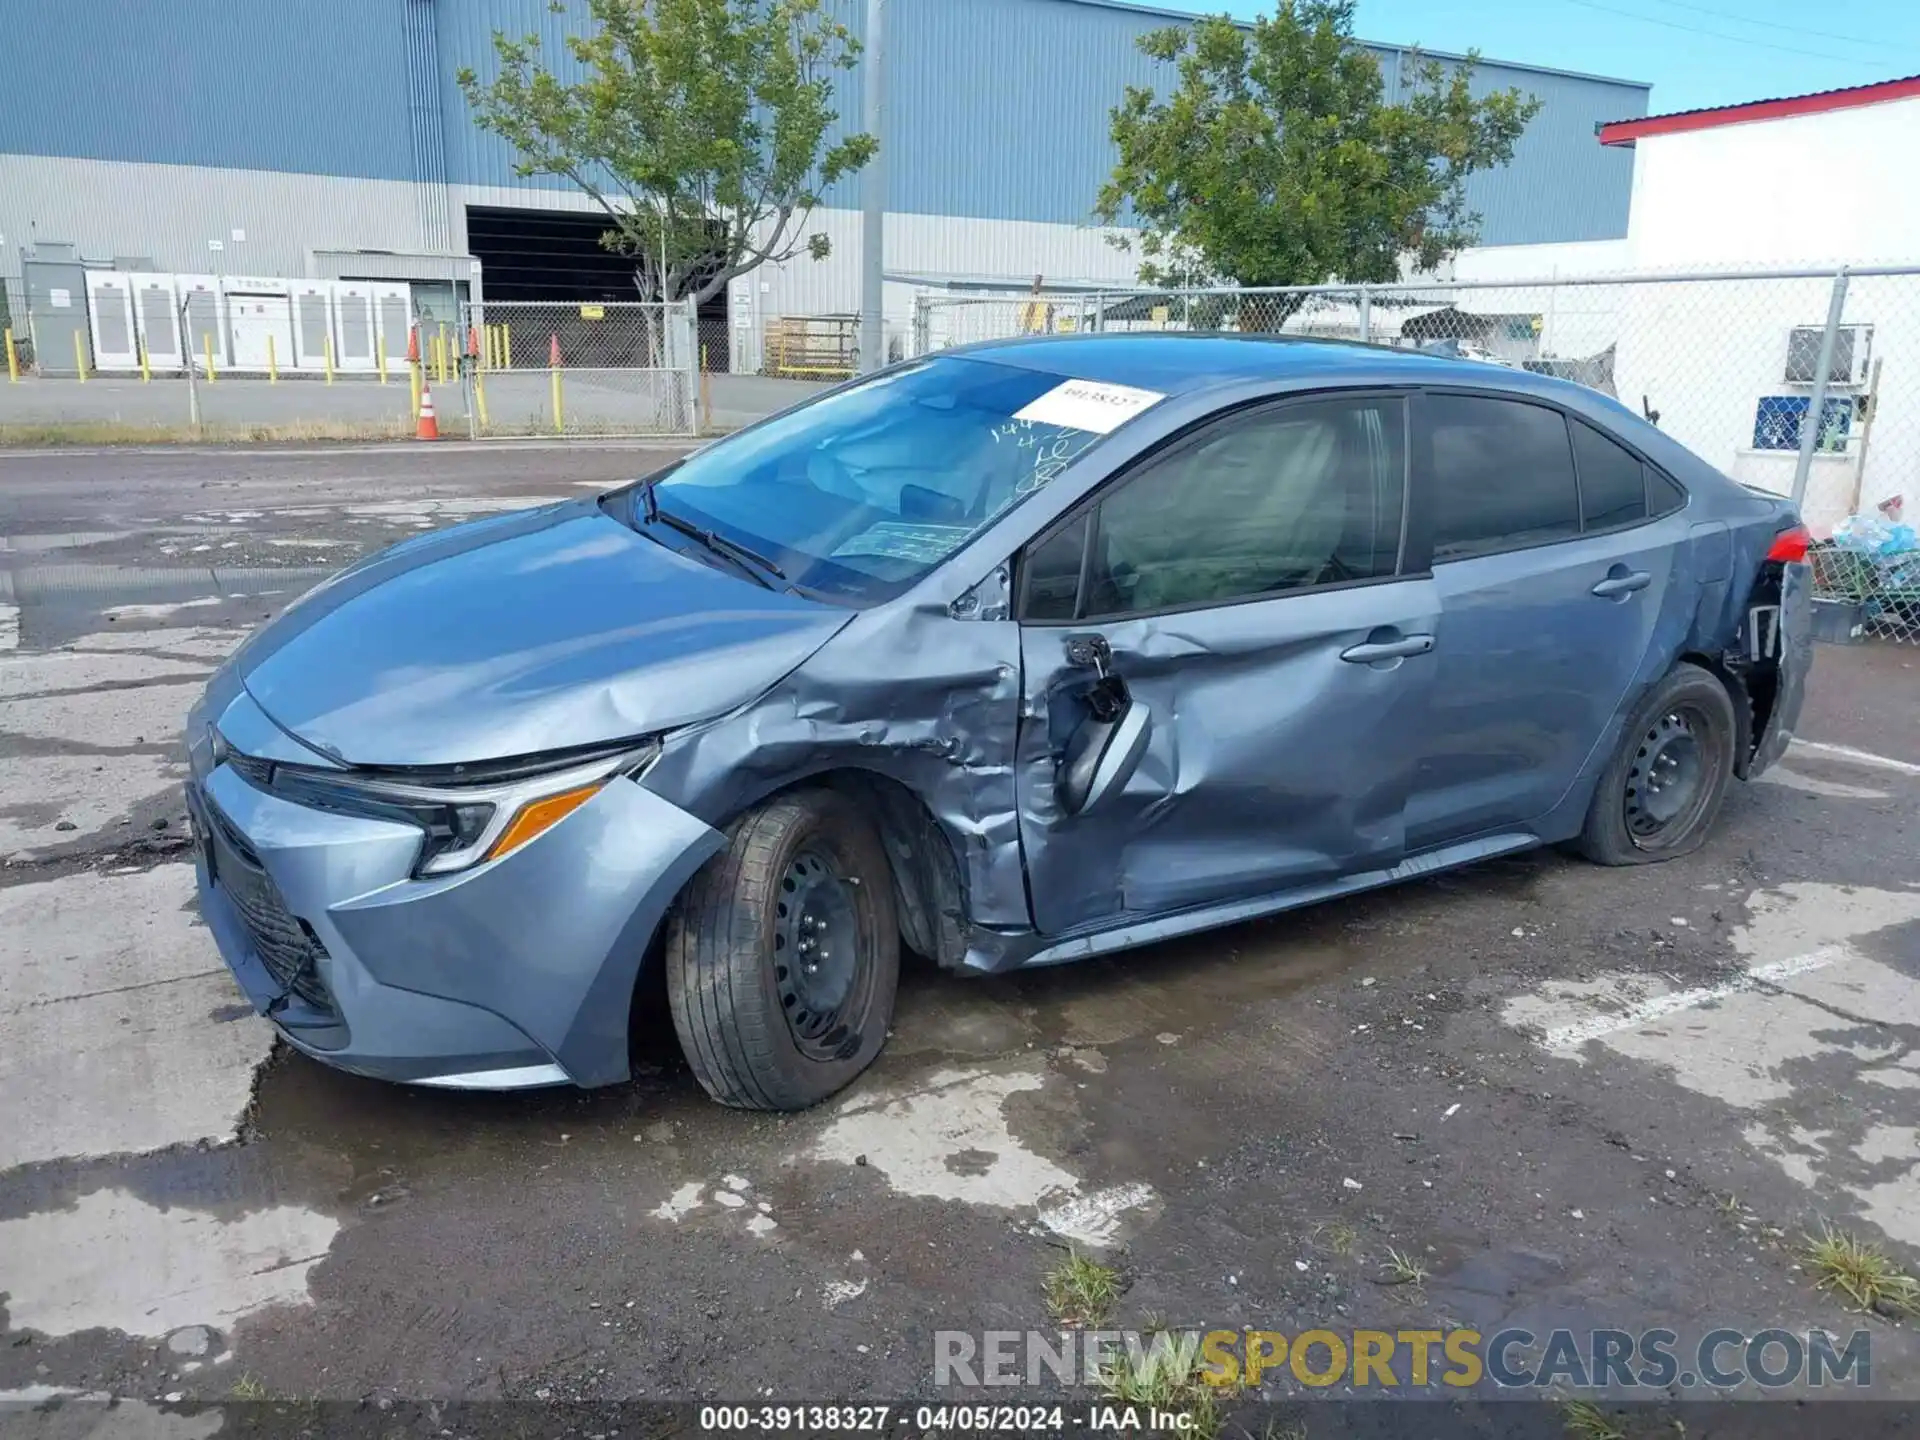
(1376, 650)
(1615, 586)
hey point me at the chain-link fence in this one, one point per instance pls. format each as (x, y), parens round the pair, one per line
(1730, 364)
(752, 366)
(552, 368)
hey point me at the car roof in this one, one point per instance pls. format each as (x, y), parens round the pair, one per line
(1188, 363)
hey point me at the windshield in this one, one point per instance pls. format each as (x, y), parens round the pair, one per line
(861, 493)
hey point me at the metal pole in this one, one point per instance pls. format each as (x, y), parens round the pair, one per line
(1366, 315)
(873, 196)
(1817, 402)
(186, 354)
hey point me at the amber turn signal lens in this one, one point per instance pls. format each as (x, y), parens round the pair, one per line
(541, 815)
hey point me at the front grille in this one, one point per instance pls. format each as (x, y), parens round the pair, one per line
(285, 944)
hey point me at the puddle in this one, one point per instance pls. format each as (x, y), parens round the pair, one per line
(114, 1262)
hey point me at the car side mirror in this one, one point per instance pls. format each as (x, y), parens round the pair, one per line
(1102, 753)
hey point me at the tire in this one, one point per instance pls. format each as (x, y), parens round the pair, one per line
(1661, 792)
(762, 1029)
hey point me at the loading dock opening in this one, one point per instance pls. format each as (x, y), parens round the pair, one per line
(557, 255)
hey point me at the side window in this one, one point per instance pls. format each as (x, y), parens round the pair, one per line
(1286, 498)
(1664, 495)
(1613, 491)
(1050, 574)
(1502, 476)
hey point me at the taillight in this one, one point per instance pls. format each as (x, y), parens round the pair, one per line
(1790, 546)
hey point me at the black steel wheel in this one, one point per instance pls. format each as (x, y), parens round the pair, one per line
(823, 963)
(783, 955)
(1662, 790)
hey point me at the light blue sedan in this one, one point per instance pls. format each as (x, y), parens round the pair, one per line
(1016, 654)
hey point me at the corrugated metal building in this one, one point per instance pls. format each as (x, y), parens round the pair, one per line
(301, 135)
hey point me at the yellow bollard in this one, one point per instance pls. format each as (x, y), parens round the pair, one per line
(273, 364)
(480, 397)
(445, 353)
(413, 381)
(146, 370)
(206, 340)
(327, 343)
(559, 411)
(13, 359)
(506, 347)
(80, 355)
(380, 357)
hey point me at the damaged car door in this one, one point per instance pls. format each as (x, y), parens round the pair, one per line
(1224, 667)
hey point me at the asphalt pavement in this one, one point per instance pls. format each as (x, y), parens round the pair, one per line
(1566, 1096)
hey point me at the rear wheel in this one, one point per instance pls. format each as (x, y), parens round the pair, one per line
(1661, 792)
(783, 955)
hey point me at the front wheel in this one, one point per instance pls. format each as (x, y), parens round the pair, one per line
(1661, 792)
(783, 955)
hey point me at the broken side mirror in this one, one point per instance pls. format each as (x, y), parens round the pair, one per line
(1103, 751)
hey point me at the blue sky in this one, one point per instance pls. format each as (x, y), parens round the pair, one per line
(1695, 52)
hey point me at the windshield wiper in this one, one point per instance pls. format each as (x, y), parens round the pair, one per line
(741, 555)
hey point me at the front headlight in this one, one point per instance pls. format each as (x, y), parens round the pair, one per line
(468, 814)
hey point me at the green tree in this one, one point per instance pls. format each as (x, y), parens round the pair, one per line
(1275, 159)
(699, 126)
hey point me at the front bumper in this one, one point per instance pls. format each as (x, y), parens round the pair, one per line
(518, 972)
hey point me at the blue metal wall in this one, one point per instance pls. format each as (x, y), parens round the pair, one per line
(310, 86)
(998, 108)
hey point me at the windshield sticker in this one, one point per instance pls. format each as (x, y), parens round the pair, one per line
(897, 540)
(1089, 405)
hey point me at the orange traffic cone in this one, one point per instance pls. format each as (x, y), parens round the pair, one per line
(413, 345)
(553, 351)
(428, 428)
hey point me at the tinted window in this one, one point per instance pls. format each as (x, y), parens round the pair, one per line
(1612, 490)
(1296, 496)
(1664, 495)
(1502, 476)
(1050, 576)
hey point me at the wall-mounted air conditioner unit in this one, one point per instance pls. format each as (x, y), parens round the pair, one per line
(1852, 348)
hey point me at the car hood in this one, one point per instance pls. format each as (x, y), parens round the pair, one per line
(518, 634)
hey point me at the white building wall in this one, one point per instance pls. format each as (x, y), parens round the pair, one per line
(1802, 191)
(1835, 186)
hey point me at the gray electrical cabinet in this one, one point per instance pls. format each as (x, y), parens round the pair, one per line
(56, 284)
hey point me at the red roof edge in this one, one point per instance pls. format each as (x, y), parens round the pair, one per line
(1621, 132)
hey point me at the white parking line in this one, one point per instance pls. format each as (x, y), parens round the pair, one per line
(1655, 1007)
(1858, 757)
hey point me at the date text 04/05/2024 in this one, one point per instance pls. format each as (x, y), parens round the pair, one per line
(932, 1419)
